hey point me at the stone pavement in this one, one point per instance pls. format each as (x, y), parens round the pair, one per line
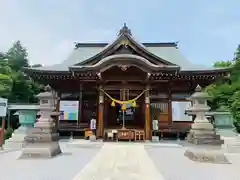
(120, 161)
(142, 161)
(63, 167)
(174, 166)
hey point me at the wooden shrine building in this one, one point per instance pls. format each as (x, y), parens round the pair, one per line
(96, 74)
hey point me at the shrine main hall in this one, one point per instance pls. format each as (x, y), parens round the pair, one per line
(126, 84)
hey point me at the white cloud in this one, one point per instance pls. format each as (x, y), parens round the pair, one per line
(45, 45)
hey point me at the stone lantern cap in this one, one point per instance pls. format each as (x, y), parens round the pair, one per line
(47, 93)
(199, 95)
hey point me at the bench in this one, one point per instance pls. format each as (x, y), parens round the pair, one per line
(177, 129)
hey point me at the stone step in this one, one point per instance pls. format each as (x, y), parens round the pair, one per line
(208, 141)
(205, 136)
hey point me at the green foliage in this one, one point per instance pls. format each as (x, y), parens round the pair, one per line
(5, 85)
(8, 133)
(17, 57)
(14, 84)
(223, 64)
(226, 92)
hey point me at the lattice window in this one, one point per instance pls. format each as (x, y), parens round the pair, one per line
(162, 106)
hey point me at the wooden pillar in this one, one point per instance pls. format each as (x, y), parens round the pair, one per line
(170, 104)
(80, 110)
(147, 115)
(100, 114)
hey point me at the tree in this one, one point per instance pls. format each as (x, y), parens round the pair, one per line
(17, 57)
(5, 85)
(5, 77)
(235, 74)
(14, 84)
(226, 95)
(4, 66)
(223, 64)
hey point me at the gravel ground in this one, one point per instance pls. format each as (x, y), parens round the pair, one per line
(63, 167)
(172, 163)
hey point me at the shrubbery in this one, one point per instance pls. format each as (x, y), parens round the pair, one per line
(8, 133)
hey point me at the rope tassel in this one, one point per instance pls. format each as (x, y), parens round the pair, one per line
(134, 104)
(113, 104)
(124, 107)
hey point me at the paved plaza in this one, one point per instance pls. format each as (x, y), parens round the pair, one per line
(117, 161)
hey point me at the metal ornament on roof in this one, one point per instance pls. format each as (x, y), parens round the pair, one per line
(125, 30)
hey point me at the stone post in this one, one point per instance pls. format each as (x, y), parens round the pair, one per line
(42, 140)
(27, 118)
(202, 133)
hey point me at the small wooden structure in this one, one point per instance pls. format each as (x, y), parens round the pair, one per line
(123, 69)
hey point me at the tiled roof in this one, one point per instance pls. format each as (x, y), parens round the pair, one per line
(169, 53)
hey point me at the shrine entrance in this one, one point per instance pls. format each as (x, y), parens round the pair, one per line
(124, 99)
(124, 117)
(131, 118)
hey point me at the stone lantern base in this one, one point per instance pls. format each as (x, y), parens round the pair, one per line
(206, 144)
(204, 138)
(206, 155)
(42, 141)
(203, 133)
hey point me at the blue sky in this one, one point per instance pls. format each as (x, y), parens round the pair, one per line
(207, 31)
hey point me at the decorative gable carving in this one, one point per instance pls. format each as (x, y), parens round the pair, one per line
(125, 44)
(124, 49)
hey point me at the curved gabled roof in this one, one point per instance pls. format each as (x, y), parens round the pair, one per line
(164, 52)
(126, 59)
(123, 36)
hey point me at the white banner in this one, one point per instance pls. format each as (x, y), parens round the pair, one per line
(178, 111)
(3, 107)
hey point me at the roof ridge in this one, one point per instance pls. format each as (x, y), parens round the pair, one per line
(147, 44)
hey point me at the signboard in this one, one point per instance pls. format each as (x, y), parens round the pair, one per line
(69, 110)
(3, 107)
(178, 111)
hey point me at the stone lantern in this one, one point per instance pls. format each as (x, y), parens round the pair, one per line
(204, 144)
(42, 140)
(202, 130)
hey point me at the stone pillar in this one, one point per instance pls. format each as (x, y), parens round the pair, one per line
(100, 114)
(42, 139)
(27, 118)
(202, 133)
(147, 115)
